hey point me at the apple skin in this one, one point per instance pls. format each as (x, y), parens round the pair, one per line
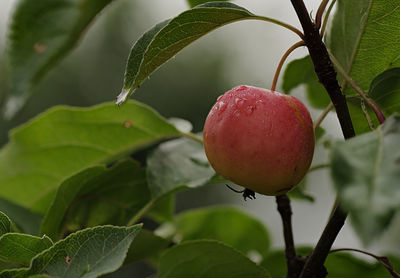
(259, 139)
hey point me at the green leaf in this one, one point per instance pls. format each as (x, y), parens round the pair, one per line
(385, 91)
(246, 233)
(207, 259)
(166, 39)
(87, 253)
(193, 3)
(97, 196)
(359, 28)
(41, 34)
(21, 248)
(144, 246)
(366, 174)
(176, 165)
(64, 141)
(301, 71)
(25, 220)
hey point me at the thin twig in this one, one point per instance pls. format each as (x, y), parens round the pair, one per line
(320, 12)
(322, 116)
(317, 167)
(280, 23)
(283, 59)
(379, 114)
(192, 136)
(382, 259)
(141, 213)
(366, 114)
(327, 14)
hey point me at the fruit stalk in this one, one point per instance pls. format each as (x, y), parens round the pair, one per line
(327, 77)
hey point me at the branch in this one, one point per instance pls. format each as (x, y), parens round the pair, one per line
(294, 263)
(324, 68)
(327, 77)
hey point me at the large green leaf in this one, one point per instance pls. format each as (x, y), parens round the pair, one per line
(87, 253)
(207, 259)
(21, 248)
(246, 233)
(166, 39)
(42, 33)
(365, 39)
(63, 141)
(366, 174)
(177, 164)
(97, 196)
(301, 71)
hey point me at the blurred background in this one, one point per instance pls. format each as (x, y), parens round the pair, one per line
(186, 87)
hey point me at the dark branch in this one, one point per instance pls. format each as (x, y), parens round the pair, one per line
(315, 264)
(324, 67)
(327, 77)
(294, 263)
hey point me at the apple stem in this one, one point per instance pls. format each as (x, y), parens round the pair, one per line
(371, 103)
(283, 59)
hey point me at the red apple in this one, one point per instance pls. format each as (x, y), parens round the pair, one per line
(260, 139)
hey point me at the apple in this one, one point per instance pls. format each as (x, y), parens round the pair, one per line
(260, 139)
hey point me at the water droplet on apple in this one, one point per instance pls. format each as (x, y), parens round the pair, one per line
(259, 103)
(221, 106)
(236, 113)
(250, 109)
(239, 102)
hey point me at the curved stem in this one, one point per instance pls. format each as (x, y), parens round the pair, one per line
(280, 23)
(320, 12)
(322, 116)
(365, 111)
(141, 213)
(328, 12)
(383, 260)
(379, 114)
(192, 136)
(283, 59)
(317, 167)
